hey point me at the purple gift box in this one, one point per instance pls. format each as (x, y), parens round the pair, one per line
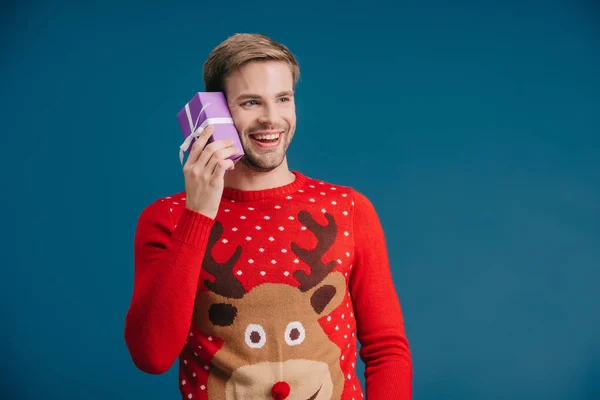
(207, 108)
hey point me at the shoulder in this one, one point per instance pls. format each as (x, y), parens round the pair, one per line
(344, 198)
(357, 198)
(159, 207)
(327, 186)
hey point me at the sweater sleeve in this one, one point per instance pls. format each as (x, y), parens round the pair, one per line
(380, 323)
(168, 259)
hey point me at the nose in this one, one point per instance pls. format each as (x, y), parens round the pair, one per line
(280, 390)
(269, 116)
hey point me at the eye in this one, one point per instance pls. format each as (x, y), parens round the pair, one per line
(255, 336)
(294, 333)
(249, 103)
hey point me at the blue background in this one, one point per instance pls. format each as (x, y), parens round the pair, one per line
(474, 127)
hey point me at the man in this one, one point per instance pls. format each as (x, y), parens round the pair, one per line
(258, 279)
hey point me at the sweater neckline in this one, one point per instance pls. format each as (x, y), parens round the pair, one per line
(264, 194)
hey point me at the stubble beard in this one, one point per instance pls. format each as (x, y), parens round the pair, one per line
(270, 160)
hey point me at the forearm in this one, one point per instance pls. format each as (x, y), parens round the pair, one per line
(380, 322)
(384, 346)
(167, 268)
(388, 366)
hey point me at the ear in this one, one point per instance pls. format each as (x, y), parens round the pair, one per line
(328, 295)
(213, 312)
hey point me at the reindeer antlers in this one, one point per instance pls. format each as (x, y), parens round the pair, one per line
(225, 284)
(325, 237)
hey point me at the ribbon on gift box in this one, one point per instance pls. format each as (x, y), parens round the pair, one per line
(196, 131)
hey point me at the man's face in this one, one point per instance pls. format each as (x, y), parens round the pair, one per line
(261, 101)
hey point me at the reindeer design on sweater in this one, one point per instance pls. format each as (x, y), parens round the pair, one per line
(273, 345)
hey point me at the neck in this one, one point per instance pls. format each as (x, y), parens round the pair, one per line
(244, 178)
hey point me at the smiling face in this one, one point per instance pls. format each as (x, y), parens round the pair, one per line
(260, 95)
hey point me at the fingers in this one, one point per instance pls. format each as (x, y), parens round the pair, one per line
(213, 161)
(216, 147)
(220, 168)
(199, 144)
(219, 156)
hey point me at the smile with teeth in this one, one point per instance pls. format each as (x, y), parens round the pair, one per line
(266, 137)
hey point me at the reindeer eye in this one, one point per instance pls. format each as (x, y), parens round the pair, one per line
(294, 333)
(255, 336)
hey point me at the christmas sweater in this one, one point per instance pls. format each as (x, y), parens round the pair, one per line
(269, 299)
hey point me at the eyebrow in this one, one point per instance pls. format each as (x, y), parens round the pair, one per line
(247, 96)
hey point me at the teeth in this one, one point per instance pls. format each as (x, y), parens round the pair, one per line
(273, 136)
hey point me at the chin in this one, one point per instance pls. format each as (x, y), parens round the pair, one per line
(262, 163)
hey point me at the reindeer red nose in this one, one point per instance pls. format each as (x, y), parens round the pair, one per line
(280, 391)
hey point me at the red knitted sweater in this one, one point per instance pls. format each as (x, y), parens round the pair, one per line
(268, 300)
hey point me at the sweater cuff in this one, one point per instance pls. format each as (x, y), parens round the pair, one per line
(193, 228)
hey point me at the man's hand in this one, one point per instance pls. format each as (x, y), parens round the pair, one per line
(204, 173)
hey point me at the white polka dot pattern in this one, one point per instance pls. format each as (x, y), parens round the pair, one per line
(266, 230)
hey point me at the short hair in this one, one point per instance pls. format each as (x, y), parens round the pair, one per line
(241, 49)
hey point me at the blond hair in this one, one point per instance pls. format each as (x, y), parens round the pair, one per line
(240, 49)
